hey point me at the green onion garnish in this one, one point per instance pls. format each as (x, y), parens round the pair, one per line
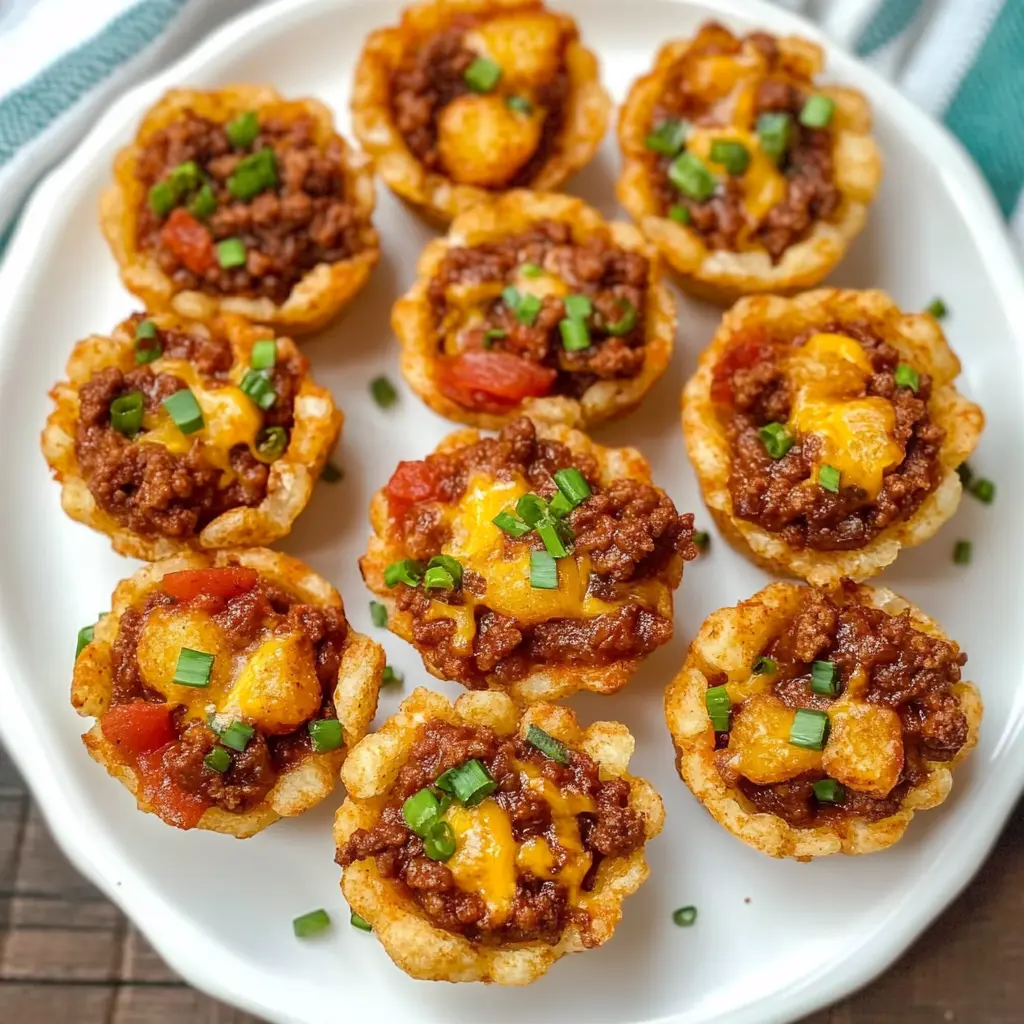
(828, 791)
(231, 253)
(264, 354)
(186, 177)
(493, 335)
(519, 105)
(312, 923)
(257, 385)
(439, 578)
(452, 566)
(962, 552)
(690, 175)
(578, 307)
(680, 214)
(684, 916)
(828, 477)
(531, 270)
(204, 203)
(719, 707)
(242, 131)
(183, 408)
(732, 155)
(543, 571)
(547, 744)
(482, 75)
(572, 483)
(765, 666)
(163, 197)
(809, 729)
(378, 614)
(218, 760)
(126, 413)
(407, 571)
(331, 474)
(383, 391)
(391, 675)
(825, 678)
(531, 509)
(271, 444)
(701, 540)
(668, 138)
(508, 523)
(193, 668)
(439, 843)
(420, 811)
(555, 542)
(237, 735)
(984, 490)
(469, 783)
(254, 174)
(510, 296)
(965, 473)
(817, 111)
(85, 635)
(907, 377)
(774, 130)
(626, 322)
(776, 438)
(147, 343)
(146, 330)
(326, 734)
(527, 309)
(575, 336)
(360, 922)
(937, 308)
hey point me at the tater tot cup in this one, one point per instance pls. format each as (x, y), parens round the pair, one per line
(317, 425)
(413, 320)
(724, 649)
(299, 787)
(418, 947)
(435, 195)
(918, 338)
(721, 276)
(321, 293)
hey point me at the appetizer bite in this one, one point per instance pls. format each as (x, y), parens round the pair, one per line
(227, 688)
(536, 304)
(536, 562)
(826, 431)
(811, 721)
(240, 201)
(172, 434)
(464, 99)
(481, 844)
(747, 175)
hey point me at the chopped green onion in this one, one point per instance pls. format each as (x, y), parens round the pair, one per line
(691, 176)
(575, 336)
(163, 197)
(627, 321)
(510, 296)
(817, 111)
(776, 438)
(469, 783)
(242, 131)
(765, 666)
(907, 377)
(147, 343)
(383, 391)
(962, 552)
(331, 474)
(326, 734)
(531, 270)
(733, 156)
(543, 571)
(146, 330)
(508, 523)
(965, 473)
(186, 177)
(231, 253)
(719, 707)
(828, 791)
(573, 484)
(254, 174)
(774, 131)
(311, 924)
(937, 308)
(482, 75)
(668, 138)
(439, 578)
(560, 506)
(685, 917)
(391, 675)
(680, 214)
(193, 668)
(578, 307)
(519, 105)
(85, 635)
(378, 614)
(183, 408)
(406, 571)
(809, 729)
(218, 760)
(271, 444)
(550, 532)
(257, 385)
(828, 477)
(439, 843)
(203, 203)
(264, 354)
(531, 509)
(825, 678)
(547, 744)
(701, 540)
(984, 490)
(360, 922)
(126, 413)
(527, 309)
(420, 811)
(452, 566)
(237, 735)
(493, 335)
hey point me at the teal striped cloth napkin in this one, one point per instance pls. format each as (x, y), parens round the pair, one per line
(960, 60)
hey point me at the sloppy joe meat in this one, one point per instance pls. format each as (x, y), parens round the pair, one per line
(630, 530)
(779, 495)
(540, 909)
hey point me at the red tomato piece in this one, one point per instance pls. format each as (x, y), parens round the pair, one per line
(174, 805)
(189, 240)
(478, 379)
(226, 582)
(138, 727)
(413, 482)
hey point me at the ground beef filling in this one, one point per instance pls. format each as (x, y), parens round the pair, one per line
(614, 280)
(433, 75)
(147, 488)
(907, 670)
(630, 530)
(247, 620)
(779, 495)
(306, 220)
(540, 909)
(811, 192)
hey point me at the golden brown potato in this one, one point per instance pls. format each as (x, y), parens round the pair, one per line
(742, 185)
(474, 861)
(239, 478)
(488, 617)
(522, 102)
(826, 431)
(523, 295)
(239, 201)
(255, 736)
(866, 685)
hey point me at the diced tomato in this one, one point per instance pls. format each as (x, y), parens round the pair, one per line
(492, 381)
(411, 483)
(173, 804)
(138, 728)
(741, 356)
(226, 582)
(189, 240)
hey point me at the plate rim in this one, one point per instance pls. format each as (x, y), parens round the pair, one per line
(176, 939)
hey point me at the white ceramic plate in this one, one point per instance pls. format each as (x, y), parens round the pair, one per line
(774, 940)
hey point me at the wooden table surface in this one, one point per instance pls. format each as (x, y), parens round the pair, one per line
(67, 956)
